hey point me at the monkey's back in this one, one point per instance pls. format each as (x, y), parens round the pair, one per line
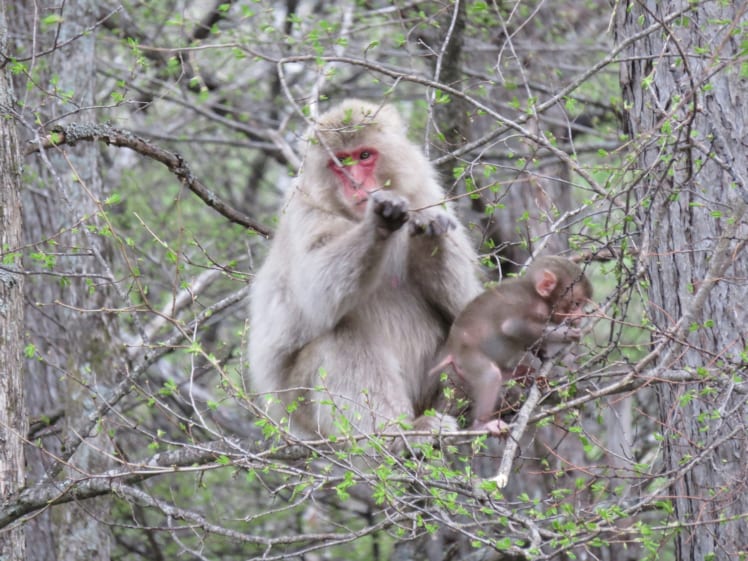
(511, 297)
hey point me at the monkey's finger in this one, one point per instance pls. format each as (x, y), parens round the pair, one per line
(417, 228)
(388, 209)
(442, 224)
(392, 213)
(437, 226)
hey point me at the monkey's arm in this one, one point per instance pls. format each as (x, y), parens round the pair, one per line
(443, 262)
(555, 333)
(340, 265)
(523, 329)
(528, 332)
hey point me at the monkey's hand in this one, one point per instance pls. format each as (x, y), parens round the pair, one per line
(561, 334)
(496, 427)
(389, 211)
(431, 222)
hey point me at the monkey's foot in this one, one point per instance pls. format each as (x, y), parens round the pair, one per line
(497, 427)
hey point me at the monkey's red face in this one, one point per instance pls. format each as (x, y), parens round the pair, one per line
(357, 175)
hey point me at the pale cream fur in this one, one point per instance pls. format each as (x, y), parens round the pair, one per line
(341, 312)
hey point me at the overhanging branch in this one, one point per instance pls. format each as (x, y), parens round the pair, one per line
(72, 133)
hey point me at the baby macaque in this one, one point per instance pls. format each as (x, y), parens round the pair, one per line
(504, 324)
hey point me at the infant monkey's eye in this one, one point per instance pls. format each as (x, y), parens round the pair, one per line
(364, 155)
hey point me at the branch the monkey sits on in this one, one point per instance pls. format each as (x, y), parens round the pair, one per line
(366, 273)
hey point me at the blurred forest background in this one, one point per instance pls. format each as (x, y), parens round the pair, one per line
(146, 148)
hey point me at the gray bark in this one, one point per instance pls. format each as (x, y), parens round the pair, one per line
(75, 357)
(686, 103)
(13, 426)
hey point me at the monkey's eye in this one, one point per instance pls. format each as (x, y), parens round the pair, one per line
(367, 156)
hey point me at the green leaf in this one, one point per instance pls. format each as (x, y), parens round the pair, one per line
(52, 19)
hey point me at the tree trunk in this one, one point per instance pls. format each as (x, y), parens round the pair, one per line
(13, 426)
(686, 111)
(74, 346)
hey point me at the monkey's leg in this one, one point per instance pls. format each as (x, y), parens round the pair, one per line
(483, 379)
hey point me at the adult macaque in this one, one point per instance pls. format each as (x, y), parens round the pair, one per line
(505, 323)
(365, 275)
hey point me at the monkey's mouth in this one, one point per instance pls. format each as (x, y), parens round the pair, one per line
(360, 196)
(356, 195)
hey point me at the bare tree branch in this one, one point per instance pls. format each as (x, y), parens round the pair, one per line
(72, 133)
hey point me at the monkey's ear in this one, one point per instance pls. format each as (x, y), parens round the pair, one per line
(546, 283)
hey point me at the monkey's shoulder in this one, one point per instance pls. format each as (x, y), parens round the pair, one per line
(319, 229)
